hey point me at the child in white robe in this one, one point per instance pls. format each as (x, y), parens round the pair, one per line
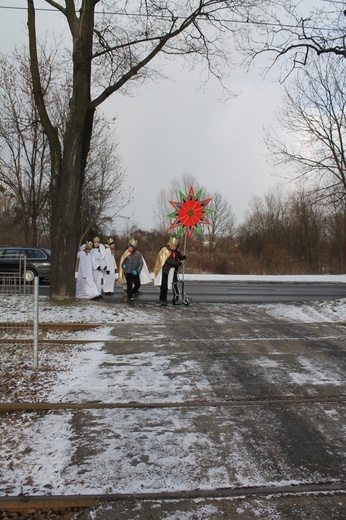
(111, 268)
(85, 285)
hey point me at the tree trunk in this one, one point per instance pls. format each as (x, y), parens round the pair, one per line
(66, 197)
(67, 166)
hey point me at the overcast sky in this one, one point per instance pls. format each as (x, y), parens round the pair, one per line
(172, 128)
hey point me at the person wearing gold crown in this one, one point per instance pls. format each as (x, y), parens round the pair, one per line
(98, 260)
(166, 267)
(85, 285)
(133, 270)
(111, 267)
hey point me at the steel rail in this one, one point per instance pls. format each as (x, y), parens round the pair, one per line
(47, 406)
(58, 502)
(43, 341)
(52, 326)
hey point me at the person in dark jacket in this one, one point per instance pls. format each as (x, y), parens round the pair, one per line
(166, 268)
(130, 268)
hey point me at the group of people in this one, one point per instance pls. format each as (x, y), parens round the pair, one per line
(96, 262)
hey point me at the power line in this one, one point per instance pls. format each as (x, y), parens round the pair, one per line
(139, 15)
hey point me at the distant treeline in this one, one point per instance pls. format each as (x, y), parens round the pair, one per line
(290, 236)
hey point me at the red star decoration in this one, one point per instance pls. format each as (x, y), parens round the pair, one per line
(190, 212)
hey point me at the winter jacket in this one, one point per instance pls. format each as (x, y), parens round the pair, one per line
(133, 262)
(173, 260)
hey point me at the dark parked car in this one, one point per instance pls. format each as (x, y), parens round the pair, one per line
(26, 261)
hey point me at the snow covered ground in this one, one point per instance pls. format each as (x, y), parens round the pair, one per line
(64, 452)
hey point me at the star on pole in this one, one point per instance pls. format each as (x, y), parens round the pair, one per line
(190, 213)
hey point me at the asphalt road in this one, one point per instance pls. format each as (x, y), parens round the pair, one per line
(251, 292)
(235, 292)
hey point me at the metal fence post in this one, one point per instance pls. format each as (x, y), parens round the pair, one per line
(36, 292)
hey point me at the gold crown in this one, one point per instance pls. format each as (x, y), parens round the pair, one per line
(133, 242)
(173, 241)
(96, 239)
(110, 241)
(88, 245)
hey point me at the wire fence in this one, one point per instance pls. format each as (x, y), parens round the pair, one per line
(19, 310)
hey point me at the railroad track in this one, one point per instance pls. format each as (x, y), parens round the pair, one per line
(32, 407)
(34, 503)
(28, 503)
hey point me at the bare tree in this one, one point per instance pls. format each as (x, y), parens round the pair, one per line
(24, 161)
(163, 207)
(307, 224)
(336, 229)
(284, 230)
(8, 227)
(293, 32)
(104, 195)
(314, 117)
(222, 221)
(263, 223)
(160, 211)
(111, 49)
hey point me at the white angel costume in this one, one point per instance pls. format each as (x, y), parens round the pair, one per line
(99, 264)
(109, 279)
(85, 285)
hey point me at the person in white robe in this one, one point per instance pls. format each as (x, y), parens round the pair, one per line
(81, 249)
(98, 261)
(85, 285)
(111, 268)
